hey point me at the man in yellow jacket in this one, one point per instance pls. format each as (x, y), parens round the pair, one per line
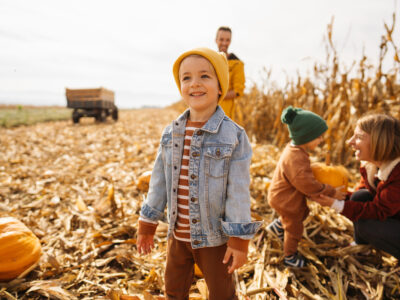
(236, 71)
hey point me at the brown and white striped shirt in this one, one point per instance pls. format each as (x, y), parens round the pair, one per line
(182, 226)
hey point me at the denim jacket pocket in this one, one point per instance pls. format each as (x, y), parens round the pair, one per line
(217, 160)
(216, 167)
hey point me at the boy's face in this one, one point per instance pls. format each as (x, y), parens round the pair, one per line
(223, 40)
(314, 143)
(199, 84)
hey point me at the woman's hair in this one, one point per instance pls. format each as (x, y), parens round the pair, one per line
(385, 135)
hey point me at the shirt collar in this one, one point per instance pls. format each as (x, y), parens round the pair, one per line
(212, 125)
(387, 168)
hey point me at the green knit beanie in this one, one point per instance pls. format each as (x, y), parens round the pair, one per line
(304, 126)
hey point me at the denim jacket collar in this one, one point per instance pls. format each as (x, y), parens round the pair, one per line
(212, 124)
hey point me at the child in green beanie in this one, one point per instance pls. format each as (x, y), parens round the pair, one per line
(293, 181)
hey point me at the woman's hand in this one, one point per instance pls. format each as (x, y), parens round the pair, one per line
(239, 258)
(339, 194)
(145, 243)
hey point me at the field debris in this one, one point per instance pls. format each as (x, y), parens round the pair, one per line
(79, 188)
(76, 187)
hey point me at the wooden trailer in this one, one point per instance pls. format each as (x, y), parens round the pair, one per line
(97, 103)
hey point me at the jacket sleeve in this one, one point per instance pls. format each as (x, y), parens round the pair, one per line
(238, 78)
(386, 203)
(237, 221)
(302, 178)
(154, 205)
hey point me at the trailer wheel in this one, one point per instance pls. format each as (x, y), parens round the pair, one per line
(75, 116)
(101, 116)
(114, 114)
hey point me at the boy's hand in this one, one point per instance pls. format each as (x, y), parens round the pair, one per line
(145, 243)
(339, 194)
(239, 258)
(324, 200)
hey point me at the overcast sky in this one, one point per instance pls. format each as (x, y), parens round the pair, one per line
(129, 46)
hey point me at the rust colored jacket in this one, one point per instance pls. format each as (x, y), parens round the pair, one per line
(292, 182)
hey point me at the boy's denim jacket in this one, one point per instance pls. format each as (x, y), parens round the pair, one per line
(219, 198)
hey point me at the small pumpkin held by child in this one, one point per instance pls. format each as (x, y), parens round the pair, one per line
(335, 176)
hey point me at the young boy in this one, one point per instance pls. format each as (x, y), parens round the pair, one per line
(293, 181)
(201, 174)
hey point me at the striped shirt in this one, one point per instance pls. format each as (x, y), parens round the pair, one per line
(182, 226)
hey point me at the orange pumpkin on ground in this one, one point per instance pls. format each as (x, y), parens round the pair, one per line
(20, 249)
(333, 175)
(144, 181)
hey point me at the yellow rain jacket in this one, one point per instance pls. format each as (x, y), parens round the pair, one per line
(236, 75)
(236, 83)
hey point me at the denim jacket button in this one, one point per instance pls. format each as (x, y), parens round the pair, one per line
(196, 242)
(194, 221)
(193, 176)
(193, 199)
(176, 145)
(174, 190)
(195, 154)
(199, 132)
(218, 152)
(175, 167)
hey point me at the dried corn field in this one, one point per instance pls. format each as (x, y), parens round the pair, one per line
(79, 189)
(340, 94)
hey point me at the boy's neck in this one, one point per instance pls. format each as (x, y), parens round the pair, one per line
(200, 116)
(304, 147)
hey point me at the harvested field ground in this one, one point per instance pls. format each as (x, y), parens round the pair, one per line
(76, 187)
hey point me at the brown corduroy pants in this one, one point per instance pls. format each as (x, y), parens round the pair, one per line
(293, 227)
(179, 271)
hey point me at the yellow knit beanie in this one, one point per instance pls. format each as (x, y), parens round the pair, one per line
(218, 61)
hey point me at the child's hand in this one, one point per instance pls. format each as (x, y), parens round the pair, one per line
(145, 243)
(239, 258)
(324, 200)
(339, 194)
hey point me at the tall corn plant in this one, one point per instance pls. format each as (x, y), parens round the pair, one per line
(334, 93)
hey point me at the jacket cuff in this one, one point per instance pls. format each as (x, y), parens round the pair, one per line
(150, 213)
(238, 244)
(147, 228)
(338, 205)
(242, 230)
